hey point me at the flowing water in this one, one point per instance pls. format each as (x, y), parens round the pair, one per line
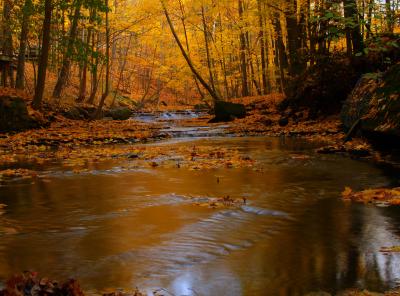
(115, 228)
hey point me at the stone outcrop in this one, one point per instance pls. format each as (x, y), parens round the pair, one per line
(227, 111)
(15, 115)
(374, 105)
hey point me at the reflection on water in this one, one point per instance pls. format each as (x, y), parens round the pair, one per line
(133, 228)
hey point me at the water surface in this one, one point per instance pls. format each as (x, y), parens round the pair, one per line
(126, 228)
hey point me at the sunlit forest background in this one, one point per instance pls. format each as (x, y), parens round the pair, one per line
(125, 48)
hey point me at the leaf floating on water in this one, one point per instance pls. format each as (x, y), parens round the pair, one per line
(17, 173)
(347, 192)
(2, 207)
(154, 164)
(8, 230)
(393, 249)
(219, 203)
(300, 157)
(376, 196)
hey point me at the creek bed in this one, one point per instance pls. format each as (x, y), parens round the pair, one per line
(113, 228)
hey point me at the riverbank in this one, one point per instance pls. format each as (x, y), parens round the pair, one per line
(77, 143)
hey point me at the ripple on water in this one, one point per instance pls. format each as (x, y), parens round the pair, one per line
(217, 235)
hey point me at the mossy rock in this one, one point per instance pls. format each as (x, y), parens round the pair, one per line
(227, 111)
(120, 113)
(14, 115)
(375, 101)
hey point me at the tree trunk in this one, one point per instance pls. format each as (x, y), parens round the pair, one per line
(368, 24)
(7, 73)
(27, 10)
(353, 32)
(212, 93)
(389, 16)
(66, 65)
(188, 46)
(293, 39)
(265, 87)
(280, 54)
(83, 82)
(208, 55)
(243, 60)
(122, 69)
(99, 110)
(37, 100)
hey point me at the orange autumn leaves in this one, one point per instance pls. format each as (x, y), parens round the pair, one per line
(376, 196)
(83, 159)
(70, 133)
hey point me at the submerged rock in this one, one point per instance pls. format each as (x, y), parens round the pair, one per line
(227, 111)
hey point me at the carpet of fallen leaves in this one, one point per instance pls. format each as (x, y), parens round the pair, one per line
(68, 133)
(30, 284)
(79, 158)
(376, 196)
(69, 140)
(264, 120)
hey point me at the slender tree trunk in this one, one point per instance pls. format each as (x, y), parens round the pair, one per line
(389, 16)
(369, 19)
(188, 47)
(212, 93)
(95, 63)
(206, 43)
(251, 66)
(107, 87)
(262, 49)
(82, 83)
(243, 60)
(280, 52)
(20, 80)
(223, 59)
(37, 100)
(293, 38)
(7, 72)
(66, 65)
(353, 33)
(122, 69)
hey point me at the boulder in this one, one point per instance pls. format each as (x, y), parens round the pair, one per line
(14, 115)
(79, 112)
(374, 106)
(227, 111)
(201, 107)
(120, 113)
(72, 113)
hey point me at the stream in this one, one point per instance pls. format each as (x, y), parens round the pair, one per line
(114, 228)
